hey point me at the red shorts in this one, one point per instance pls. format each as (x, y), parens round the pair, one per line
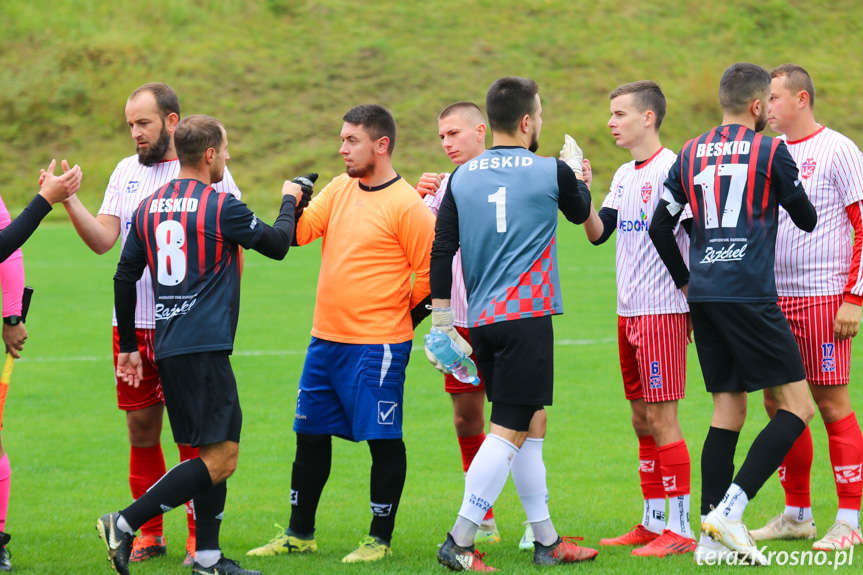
(653, 356)
(150, 391)
(451, 384)
(826, 360)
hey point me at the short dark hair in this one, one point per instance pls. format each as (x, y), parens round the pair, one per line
(376, 120)
(646, 95)
(469, 109)
(740, 84)
(797, 79)
(195, 135)
(508, 100)
(166, 98)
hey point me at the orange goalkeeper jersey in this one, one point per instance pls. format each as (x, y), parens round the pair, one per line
(373, 240)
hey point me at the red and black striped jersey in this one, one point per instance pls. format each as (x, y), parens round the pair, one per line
(187, 235)
(735, 179)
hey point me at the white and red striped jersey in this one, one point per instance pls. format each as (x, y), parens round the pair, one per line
(458, 299)
(644, 286)
(129, 185)
(819, 263)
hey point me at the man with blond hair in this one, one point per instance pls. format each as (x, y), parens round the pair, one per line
(820, 286)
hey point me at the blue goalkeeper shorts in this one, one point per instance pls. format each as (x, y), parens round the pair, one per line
(354, 391)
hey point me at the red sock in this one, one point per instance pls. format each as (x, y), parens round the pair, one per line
(146, 467)
(188, 452)
(649, 468)
(795, 471)
(469, 445)
(675, 466)
(846, 455)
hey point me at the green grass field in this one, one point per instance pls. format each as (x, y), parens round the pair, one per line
(66, 439)
(280, 74)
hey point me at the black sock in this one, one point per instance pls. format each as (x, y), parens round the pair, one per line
(389, 469)
(310, 473)
(182, 483)
(209, 508)
(717, 466)
(768, 450)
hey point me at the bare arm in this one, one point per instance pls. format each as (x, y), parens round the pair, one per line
(593, 226)
(99, 232)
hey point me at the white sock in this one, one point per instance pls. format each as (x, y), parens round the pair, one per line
(678, 515)
(464, 531)
(123, 525)
(734, 502)
(851, 516)
(529, 476)
(208, 557)
(798, 513)
(654, 515)
(483, 483)
(544, 532)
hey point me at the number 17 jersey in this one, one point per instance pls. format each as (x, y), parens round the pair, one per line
(735, 179)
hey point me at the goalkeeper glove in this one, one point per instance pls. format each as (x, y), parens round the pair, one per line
(572, 155)
(307, 184)
(442, 319)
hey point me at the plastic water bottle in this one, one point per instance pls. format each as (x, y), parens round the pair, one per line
(451, 356)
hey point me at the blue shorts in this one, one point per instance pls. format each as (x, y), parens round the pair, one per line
(354, 391)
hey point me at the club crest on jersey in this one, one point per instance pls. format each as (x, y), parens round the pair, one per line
(655, 375)
(620, 191)
(807, 169)
(646, 190)
(828, 357)
(131, 187)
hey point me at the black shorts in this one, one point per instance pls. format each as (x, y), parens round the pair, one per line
(516, 359)
(201, 398)
(744, 346)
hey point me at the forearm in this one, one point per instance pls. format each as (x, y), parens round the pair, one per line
(125, 300)
(99, 235)
(275, 241)
(854, 288)
(602, 225)
(574, 199)
(802, 213)
(19, 231)
(662, 235)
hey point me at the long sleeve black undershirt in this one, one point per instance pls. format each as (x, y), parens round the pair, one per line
(573, 201)
(802, 213)
(662, 235)
(21, 228)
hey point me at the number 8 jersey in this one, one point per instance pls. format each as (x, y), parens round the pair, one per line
(187, 234)
(734, 179)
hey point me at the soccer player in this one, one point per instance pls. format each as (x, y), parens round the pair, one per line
(820, 292)
(152, 113)
(652, 323)
(12, 235)
(735, 179)
(189, 235)
(376, 232)
(501, 208)
(462, 129)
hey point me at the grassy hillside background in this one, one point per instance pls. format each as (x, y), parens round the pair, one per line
(281, 73)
